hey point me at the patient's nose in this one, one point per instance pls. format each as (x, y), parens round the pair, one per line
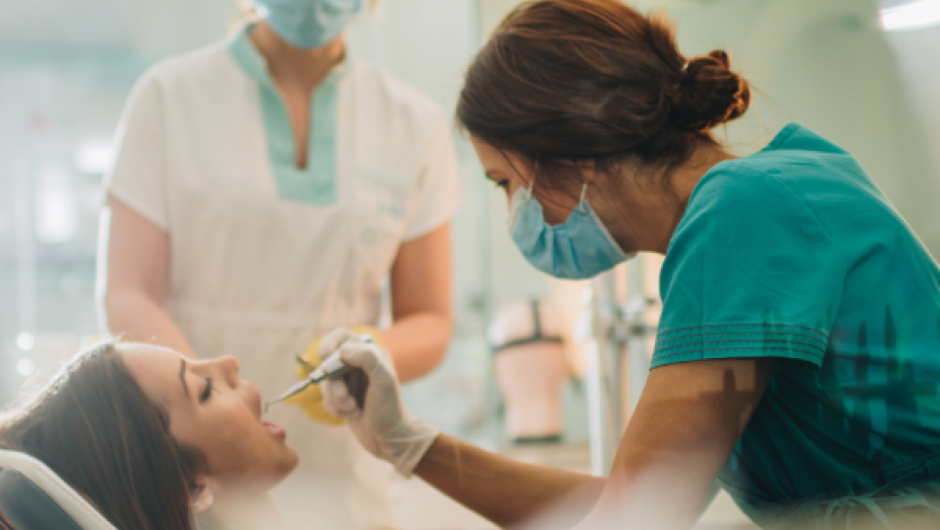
(229, 367)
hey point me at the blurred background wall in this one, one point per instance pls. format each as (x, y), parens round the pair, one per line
(66, 67)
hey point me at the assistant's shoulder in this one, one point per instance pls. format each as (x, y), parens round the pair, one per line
(200, 69)
(395, 98)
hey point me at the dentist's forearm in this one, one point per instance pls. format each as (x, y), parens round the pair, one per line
(417, 343)
(134, 316)
(505, 491)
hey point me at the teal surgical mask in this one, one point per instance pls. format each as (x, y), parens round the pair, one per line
(579, 248)
(308, 23)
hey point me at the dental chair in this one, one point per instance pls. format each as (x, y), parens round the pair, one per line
(32, 497)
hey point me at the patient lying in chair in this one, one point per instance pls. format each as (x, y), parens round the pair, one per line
(150, 438)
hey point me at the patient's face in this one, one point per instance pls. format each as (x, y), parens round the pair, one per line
(214, 411)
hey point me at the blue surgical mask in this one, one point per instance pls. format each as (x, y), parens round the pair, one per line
(579, 248)
(308, 23)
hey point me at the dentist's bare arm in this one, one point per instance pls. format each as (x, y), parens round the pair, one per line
(134, 287)
(686, 423)
(505, 491)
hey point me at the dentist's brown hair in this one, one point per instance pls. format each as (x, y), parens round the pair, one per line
(95, 427)
(567, 81)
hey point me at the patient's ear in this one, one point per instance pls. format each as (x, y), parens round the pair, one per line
(200, 496)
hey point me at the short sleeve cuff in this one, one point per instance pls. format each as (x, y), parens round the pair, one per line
(445, 212)
(146, 210)
(802, 347)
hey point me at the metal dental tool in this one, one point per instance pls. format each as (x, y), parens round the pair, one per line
(332, 367)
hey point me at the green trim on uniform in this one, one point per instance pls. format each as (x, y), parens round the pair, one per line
(316, 183)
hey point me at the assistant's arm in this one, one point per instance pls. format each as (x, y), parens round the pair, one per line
(421, 304)
(137, 254)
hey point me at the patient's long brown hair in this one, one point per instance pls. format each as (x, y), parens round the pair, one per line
(95, 427)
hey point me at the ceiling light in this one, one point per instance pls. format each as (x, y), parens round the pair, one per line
(911, 16)
(26, 367)
(95, 157)
(25, 341)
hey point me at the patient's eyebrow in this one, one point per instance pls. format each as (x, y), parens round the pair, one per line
(183, 376)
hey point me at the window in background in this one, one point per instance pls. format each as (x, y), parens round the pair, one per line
(54, 104)
(66, 69)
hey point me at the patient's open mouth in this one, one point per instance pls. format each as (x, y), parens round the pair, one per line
(274, 428)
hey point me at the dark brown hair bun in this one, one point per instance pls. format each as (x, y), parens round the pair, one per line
(709, 93)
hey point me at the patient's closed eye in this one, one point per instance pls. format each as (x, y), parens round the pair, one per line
(207, 392)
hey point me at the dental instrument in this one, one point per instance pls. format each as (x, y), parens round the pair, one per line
(332, 367)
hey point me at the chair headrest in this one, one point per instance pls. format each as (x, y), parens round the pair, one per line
(37, 499)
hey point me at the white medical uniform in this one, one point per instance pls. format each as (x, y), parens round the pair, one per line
(265, 257)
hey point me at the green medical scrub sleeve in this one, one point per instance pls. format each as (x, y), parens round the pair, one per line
(794, 254)
(750, 272)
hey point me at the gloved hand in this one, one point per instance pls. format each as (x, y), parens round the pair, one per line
(382, 424)
(311, 399)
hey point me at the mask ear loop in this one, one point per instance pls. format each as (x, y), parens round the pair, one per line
(535, 171)
(582, 204)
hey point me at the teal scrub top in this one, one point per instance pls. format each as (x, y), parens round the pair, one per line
(793, 253)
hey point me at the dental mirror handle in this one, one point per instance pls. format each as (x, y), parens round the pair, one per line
(331, 367)
(357, 383)
(354, 378)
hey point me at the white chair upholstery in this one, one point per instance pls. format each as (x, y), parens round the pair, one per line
(73, 504)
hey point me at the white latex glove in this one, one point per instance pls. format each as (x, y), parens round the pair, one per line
(383, 425)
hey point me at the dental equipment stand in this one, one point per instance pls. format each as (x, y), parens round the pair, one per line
(620, 341)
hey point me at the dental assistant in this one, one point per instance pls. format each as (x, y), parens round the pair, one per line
(797, 363)
(265, 190)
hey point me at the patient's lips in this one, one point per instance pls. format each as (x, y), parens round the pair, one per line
(275, 429)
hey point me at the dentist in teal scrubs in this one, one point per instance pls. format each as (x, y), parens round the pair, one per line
(797, 362)
(266, 190)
